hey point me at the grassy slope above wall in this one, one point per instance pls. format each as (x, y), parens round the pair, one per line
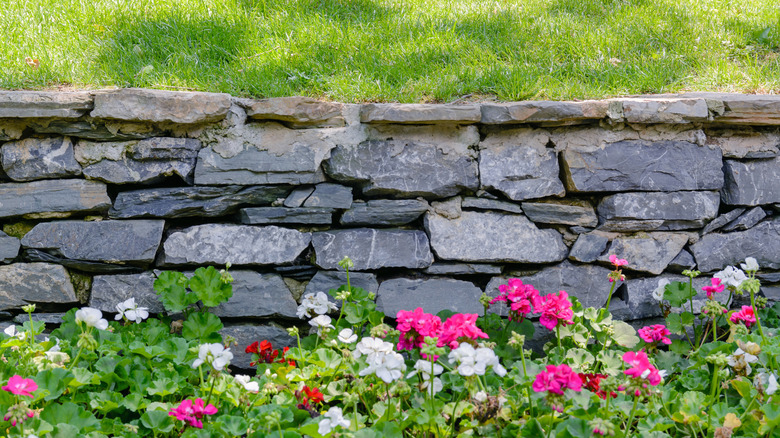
(414, 50)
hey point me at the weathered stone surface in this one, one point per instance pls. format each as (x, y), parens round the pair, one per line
(545, 112)
(490, 204)
(372, 249)
(98, 130)
(493, 237)
(142, 161)
(257, 295)
(110, 290)
(586, 282)
(674, 210)
(265, 153)
(36, 255)
(237, 244)
(715, 251)
(588, 248)
(296, 111)
(642, 166)
(569, 212)
(648, 254)
(518, 164)
(753, 182)
(432, 295)
(328, 195)
(246, 334)
(53, 198)
(112, 241)
(419, 113)
(9, 248)
(39, 158)
(747, 109)
(161, 106)
(25, 283)
(35, 104)
(744, 142)
(449, 208)
(11, 130)
(178, 202)
(462, 269)
(722, 220)
(404, 168)
(323, 281)
(746, 220)
(660, 110)
(298, 196)
(284, 215)
(384, 212)
(684, 260)
(46, 318)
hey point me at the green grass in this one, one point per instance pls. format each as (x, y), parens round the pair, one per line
(386, 50)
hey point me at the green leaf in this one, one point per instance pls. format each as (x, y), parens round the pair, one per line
(160, 421)
(55, 381)
(624, 335)
(162, 387)
(674, 323)
(579, 358)
(70, 414)
(576, 428)
(686, 319)
(105, 401)
(202, 326)
(744, 388)
(232, 425)
(170, 286)
(678, 293)
(208, 285)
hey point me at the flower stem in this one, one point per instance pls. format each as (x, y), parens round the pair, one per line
(211, 390)
(78, 355)
(549, 428)
(631, 416)
(609, 298)
(558, 335)
(755, 312)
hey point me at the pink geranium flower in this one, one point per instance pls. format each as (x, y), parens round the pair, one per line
(192, 412)
(616, 261)
(459, 327)
(522, 298)
(655, 333)
(716, 287)
(556, 379)
(20, 386)
(745, 316)
(555, 310)
(641, 368)
(415, 326)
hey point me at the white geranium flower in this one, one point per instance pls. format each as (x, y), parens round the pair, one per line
(331, 420)
(425, 368)
(469, 361)
(247, 383)
(347, 336)
(480, 396)
(766, 382)
(322, 322)
(741, 360)
(130, 310)
(314, 303)
(658, 293)
(14, 333)
(731, 276)
(215, 355)
(750, 265)
(487, 358)
(371, 346)
(91, 317)
(387, 366)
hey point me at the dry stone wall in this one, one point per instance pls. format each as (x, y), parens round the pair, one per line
(99, 190)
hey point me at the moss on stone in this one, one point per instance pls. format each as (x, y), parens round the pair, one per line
(18, 229)
(82, 285)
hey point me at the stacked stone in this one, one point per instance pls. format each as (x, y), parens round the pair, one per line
(435, 204)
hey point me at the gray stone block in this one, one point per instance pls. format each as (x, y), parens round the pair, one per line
(746, 109)
(46, 318)
(38, 104)
(664, 110)
(295, 111)
(747, 220)
(110, 290)
(328, 195)
(672, 206)
(744, 142)
(588, 248)
(25, 283)
(684, 260)
(752, 182)
(722, 220)
(462, 269)
(647, 254)
(493, 237)
(490, 204)
(372, 249)
(296, 198)
(564, 113)
(417, 114)
(323, 281)
(432, 295)
(111, 241)
(284, 215)
(384, 212)
(636, 165)
(715, 251)
(641, 303)
(257, 295)
(97, 130)
(39, 158)
(570, 212)
(161, 106)
(53, 198)
(237, 244)
(9, 248)
(246, 334)
(179, 202)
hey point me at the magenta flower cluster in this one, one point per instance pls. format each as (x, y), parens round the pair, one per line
(191, 412)
(556, 379)
(524, 299)
(653, 334)
(416, 325)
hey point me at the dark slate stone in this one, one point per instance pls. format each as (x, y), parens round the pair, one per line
(674, 209)
(652, 253)
(746, 221)
(715, 251)
(39, 158)
(53, 198)
(751, 182)
(684, 260)
(493, 237)
(570, 212)
(770, 277)
(384, 212)
(588, 248)
(96, 130)
(284, 215)
(490, 204)
(403, 169)
(46, 318)
(722, 220)
(462, 269)
(323, 281)
(110, 290)
(432, 295)
(111, 241)
(297, 196)
(637, 165)
(45, 104)
(9, 247)
(25, 283)
(35, 255)
(257, 295)
(192, 201)
(372, 249)
(237, 244)
(246, 334)
(328, 195)
(296, 272)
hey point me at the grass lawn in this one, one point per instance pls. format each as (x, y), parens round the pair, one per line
(393, 50)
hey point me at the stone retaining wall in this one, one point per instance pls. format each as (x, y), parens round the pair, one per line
(434, 203)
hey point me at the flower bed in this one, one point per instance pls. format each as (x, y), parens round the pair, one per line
(712, 373)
